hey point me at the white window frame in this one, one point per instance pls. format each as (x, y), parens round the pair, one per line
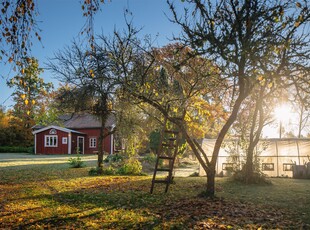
(50, 141)
(92, 142)
(65, 140)
(268, 167)
(228, 166)
(288, 167)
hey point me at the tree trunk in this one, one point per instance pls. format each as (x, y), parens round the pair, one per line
(100, 144)
(209, 167)
(254, 137)
(202, 162)
(211, 171)
(248, 167)
(210, 192)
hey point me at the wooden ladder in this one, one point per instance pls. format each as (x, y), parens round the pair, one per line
(167, 152)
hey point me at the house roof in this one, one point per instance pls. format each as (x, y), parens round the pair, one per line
(57, 128)
(80, 121)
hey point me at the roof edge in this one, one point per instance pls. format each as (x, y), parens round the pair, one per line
(56, 127)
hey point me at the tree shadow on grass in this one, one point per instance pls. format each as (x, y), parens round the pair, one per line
(125, 203)
(88, 202)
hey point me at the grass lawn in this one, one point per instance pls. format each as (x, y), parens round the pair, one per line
(42, 192)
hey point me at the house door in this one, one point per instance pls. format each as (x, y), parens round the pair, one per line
(80, 141)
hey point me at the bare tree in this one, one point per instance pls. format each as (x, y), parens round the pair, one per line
(89, 84)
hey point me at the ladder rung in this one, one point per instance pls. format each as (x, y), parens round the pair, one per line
(168, 150)
(164, 170)
(165, 157)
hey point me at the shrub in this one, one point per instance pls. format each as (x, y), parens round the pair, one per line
(154, 140)
(16, 149)
(109, 170)
(131, 167)
(151, 159)
(194, 174)
(99, 171)
(117, 165)
(76, 162)
(257, 178)
(93, 172)
(113, 158)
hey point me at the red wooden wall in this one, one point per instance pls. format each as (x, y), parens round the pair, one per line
(63, 148)
(95, 133)
(60, 149)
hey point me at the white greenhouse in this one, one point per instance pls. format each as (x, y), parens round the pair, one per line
(276, 157)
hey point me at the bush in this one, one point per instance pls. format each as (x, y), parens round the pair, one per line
(154, 140)
(151, 159)
(93, 172)
(113, 158)
(117, 165)
(98, 171)
(76, 162)
(257, 178)
(109, 170)
(131, 167)
(194, 174)
(16, 149)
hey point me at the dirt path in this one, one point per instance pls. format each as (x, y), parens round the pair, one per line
(15, 159)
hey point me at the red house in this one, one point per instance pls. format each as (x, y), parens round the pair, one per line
(79, 134)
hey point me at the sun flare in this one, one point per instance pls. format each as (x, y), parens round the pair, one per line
(282, 113)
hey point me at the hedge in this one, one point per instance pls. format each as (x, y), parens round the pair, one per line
(14, 149)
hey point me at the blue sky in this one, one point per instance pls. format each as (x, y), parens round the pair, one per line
(61, 21)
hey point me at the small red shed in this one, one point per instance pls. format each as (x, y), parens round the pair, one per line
(80, 134)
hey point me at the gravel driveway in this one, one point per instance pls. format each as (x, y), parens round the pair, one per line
(20, 159)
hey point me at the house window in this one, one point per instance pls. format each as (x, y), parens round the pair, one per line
(268, 167)
(288, 167)
(53, 131)
(65, 140)
(227, 166)
(92, 142)
(51, 141)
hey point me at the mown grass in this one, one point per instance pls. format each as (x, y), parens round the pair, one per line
(47, 194)
(286, 193)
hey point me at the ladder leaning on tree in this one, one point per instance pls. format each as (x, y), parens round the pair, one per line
(167, 152)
